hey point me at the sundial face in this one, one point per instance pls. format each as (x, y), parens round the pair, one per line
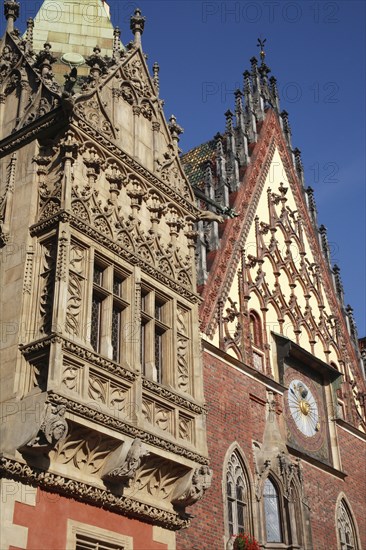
(303, 408)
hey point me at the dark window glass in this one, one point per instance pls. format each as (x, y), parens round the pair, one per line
(96, 322)
(116, 332)
(272, 512)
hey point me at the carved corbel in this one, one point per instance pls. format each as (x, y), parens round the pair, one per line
(192, 487)
(53, 429)
(121, 467)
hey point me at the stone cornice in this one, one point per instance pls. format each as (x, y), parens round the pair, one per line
(54, 119)
(85, 492)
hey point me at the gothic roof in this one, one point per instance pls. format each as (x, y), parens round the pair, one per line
(195, 162)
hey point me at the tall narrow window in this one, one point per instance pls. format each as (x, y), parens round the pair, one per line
(347, 538)
(107, 309)
(155, 329)
(256, 336)
(236, 497)
(255, 329)
(272, 512)
(96, 315)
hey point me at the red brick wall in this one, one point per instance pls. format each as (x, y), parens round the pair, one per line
(47, 523)
(236, 411)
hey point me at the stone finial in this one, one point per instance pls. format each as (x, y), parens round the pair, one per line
(11, 12)
(274, 92)
(137, 25)
(324, 242)
(229, 121)
(175, 129)
(96, 63)
(44, 60)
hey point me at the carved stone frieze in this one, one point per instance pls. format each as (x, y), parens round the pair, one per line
(85, 492)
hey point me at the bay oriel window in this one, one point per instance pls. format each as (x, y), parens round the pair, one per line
(110, 301)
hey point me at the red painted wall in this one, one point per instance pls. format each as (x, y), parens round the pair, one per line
(47, 523)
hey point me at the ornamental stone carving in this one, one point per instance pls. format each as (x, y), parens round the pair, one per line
(122, 467)
(53, 429)
(197, 484)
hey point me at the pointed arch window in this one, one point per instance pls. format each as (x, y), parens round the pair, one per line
(255, 329)
(236, 497)
(345, 526)
(272, 512)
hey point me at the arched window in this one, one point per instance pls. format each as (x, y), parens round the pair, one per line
(255, 329)
(236, 497)
(272, 512)
(346, 531)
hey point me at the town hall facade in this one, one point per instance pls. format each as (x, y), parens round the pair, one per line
(178, 365)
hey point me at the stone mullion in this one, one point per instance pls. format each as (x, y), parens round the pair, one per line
(106, 320)
(170, 344)
(59, 305)
(196, 374)
(131, 331)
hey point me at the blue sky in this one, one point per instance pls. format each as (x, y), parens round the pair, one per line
(316, 50)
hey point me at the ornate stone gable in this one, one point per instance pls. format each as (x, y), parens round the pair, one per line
(276, 269)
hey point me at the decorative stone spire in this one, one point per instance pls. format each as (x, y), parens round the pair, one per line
(156, 70)
(137, 25)
(311, 203)
(352, 324)
(338, 283)
(274, 92)
(298, 164)
(29, 34)
(116, 42)
(324, 242)
(11, 12)
(286, 127)
(249, 106)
